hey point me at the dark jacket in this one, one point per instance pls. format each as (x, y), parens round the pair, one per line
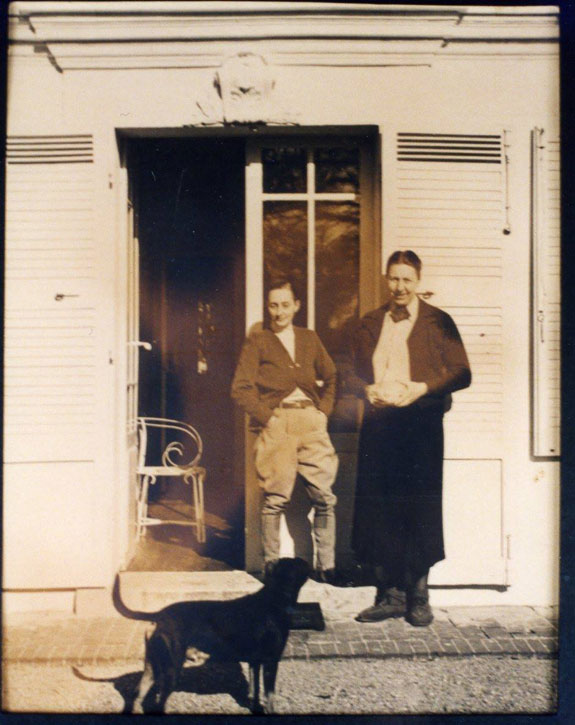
(266, 374)
(436, 354)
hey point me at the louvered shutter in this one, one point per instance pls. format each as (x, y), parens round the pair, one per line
(50, 326)
(451, 211)
(450, 208)
(546, 293)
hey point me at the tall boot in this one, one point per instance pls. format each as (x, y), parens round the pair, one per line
(419, 612)
(390, 602)
(270, 541)
(382, 583)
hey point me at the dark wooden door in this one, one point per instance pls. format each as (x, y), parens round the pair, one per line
(191, 210)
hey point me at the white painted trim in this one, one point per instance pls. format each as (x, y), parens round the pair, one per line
(546, 441)
(201, 35)
(310, 195)
(310, 169)
(254, 236)
(14, 603)
(241, 6)
(121, 540)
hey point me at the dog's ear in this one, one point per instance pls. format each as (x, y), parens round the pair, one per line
(304, 566)
(269, 570)
(287, 579)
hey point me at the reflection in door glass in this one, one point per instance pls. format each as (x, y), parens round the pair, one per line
(285, 247)
(284, 170)
(337, 170)
(337, 271)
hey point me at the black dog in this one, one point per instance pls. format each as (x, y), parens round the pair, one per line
(251, 629)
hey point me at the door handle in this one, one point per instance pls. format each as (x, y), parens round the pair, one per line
(541, 321)
(140, 343)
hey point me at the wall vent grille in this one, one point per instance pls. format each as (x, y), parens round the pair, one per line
(449, 148)
(74, 149)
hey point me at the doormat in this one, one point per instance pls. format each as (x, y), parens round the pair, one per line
(307, 615)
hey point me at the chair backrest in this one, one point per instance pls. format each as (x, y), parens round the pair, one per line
(181, 442)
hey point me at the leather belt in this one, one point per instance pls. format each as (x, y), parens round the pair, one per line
(297, 404)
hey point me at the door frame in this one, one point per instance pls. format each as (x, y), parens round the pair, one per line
(370, 272)
(369, 262)
(126, 357)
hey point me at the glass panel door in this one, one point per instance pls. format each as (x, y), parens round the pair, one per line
(311, 214)
(309, 217)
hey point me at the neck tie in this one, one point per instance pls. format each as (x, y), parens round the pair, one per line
(399, 313)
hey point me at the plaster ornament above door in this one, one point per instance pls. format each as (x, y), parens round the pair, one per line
(242, 91)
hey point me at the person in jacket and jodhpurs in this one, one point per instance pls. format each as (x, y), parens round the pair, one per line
(276, 383)
(405, 359)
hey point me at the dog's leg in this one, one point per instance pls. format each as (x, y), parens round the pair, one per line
(146, 684)
(161, 669)
(166, 682)
(254, 687)
(270, 674)
(168, 660)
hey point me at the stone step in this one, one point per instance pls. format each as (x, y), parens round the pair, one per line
(150, 591)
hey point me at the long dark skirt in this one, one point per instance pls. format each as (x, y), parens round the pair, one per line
(398, 505)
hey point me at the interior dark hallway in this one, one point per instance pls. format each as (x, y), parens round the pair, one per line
(188, 196)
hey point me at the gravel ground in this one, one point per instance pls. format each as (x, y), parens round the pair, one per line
(337, 686)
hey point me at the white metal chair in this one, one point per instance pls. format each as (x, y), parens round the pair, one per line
(190, 447)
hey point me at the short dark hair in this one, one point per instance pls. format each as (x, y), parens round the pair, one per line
(280, 283)
(405, 256)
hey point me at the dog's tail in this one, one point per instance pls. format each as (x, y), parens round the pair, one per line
(123, 609)
(81, 676)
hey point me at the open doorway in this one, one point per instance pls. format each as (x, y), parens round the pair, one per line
(188, 198)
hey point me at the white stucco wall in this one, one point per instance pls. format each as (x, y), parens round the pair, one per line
(453, 91)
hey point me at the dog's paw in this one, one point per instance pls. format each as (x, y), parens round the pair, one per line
(269, 705)
(195, 657)
(257, 708)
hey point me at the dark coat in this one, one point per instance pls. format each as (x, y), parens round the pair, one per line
(398, 504)
(436, 354)
(266, 374)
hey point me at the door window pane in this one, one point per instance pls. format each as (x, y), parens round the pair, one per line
(337, 170)
(337, 271)
(285, 248)
(284, 170)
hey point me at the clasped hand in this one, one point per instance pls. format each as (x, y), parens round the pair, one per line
(396, 393)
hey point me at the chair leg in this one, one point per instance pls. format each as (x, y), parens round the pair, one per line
(197, 481)
(142, 505)
(139, 506)
(202, 523)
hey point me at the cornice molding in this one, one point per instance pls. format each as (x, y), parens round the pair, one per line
(150, 22)
(110, 35)
(255, 7)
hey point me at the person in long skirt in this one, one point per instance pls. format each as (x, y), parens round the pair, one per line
(405, 359)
